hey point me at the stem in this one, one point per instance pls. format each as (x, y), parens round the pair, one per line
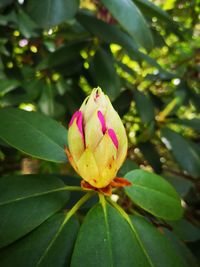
(163, 114)
(72, 188)
(69, 214)
(74, 209)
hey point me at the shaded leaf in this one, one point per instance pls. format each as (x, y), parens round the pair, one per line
(151, 155)
(144, 106)
(185, 230)
(51, 244)
(49, 13)
(181, 185)
(8, 85)
(104, 73)
(184, 153)
(180, 247)
(128, 166)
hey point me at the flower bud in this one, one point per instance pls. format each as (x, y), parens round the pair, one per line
(97, 140)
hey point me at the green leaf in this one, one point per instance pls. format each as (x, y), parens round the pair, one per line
(33, 134)
(8, 85)
(183, 151)
(26, 201)
(104, 73)
(99, 241)
(155, 195)
(131, 19)
(49, 13)
(51, 244)
(144, 106)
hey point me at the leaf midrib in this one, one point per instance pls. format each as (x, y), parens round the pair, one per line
(153, 190)
(33, 195)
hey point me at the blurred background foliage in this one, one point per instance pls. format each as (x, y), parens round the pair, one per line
(144, 55)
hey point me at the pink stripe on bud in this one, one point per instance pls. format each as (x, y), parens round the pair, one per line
(79, 121)
(102, 121)
(74, 116)
(113, 137)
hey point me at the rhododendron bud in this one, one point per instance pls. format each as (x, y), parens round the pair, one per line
(97, 140)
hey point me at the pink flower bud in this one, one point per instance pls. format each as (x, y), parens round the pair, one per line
(97, 140)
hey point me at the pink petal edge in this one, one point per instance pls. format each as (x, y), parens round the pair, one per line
(113, 137)
(102, 121)
(79, 121)
(74, 116)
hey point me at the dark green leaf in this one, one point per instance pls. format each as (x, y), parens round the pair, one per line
(64, 55)
(51, 245)
(144, 106)
(26, 25)
(184, 153)
(122, 102)
(152, 10)
(131, 19)
(112, 34)
(7, 86)
(26, 201)
(181, 185)
(157, 246)
(128, 166)
(155, 195)
(49, 13)
(103, 71)
(186, 231)
(34, 134)
(151, 155)
(4, 3)
(99, 241)
(181, 248)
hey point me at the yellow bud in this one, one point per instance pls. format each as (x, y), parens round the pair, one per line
(97, 140)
